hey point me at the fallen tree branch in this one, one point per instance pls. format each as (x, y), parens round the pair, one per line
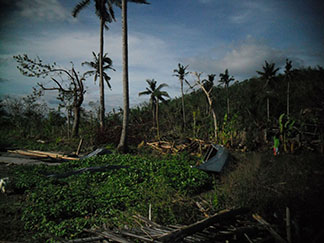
(199, 226)
(269, 228)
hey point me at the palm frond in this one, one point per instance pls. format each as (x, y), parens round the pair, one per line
(139, 1)
(144, 93)
(164, 93)
(79, 7)
(107, 79)
(162, 86)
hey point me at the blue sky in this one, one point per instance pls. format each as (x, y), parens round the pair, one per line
(208, 35)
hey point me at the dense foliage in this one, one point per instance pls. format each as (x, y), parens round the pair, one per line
(247, 118)
(64, 207)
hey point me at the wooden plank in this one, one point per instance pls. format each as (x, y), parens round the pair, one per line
(200, 225)
(269, 228)
(41, 154)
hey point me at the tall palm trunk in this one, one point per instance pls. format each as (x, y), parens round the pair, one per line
(268, 109)
(288, 91)
(183, 107)
(101, 83)
(153, 112)
(123, 138)
(157, 120)
(228, 107)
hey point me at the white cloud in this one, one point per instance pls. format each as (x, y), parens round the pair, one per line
(43, 10)
(242, 59)
(149, 57)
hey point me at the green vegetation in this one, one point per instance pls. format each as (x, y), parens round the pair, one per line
(64, 207)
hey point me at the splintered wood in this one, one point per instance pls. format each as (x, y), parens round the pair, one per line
(235, 225)
(193, 146)
(42, 154)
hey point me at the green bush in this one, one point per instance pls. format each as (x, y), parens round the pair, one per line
(64, 207)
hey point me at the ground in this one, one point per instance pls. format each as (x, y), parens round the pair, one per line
(12, 229)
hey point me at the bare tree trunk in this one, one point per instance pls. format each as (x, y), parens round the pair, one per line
(101, 83)
(227, 98)
(215, 122)
(153, 112)
(288, 92)
(69, 122)
(268, 109)
(76, 121)
(183, 107)
(157, 119)
(210, 102)
(123, 138)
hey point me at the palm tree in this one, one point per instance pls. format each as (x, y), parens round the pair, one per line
(181, 74)
(288, 78)
(156, 95)
(107, 64)
(225, 80)
(122, 146)
(106, 14)
(269, 72)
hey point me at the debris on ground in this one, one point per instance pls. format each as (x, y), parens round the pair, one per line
(191, 145)
(236, 225)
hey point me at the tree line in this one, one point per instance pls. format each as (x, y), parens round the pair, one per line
(246, 103)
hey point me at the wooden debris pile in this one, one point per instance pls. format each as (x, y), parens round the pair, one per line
(226, 226)
(190, 145)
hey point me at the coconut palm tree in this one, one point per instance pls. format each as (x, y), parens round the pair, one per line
(122, 146)
(288, 78)
(156, 95)
(225, 80)
(106, 14)
(181, 74)
(268, 73)
(107, 64)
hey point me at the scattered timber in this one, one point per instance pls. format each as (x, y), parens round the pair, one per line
(235, 225)
(192, 145)
(43, 155)
(199, 226)
(269, 228)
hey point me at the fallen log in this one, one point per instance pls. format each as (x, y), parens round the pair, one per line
(89, 169)
(199, 226)
(41, 154)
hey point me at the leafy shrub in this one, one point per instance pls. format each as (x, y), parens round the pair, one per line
(64, 207)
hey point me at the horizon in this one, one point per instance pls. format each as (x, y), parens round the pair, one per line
(209, 36)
